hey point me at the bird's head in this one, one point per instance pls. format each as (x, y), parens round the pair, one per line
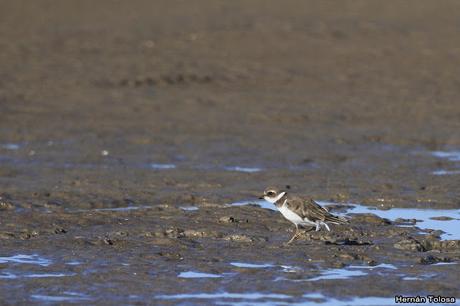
(272, 194)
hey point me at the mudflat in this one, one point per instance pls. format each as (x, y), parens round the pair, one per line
(128, 130)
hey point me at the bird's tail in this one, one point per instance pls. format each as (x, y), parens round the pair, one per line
(335, 219)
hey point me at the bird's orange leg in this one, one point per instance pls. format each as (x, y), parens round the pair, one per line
(296, 234)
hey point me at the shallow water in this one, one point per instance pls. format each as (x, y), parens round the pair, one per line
(271, 299)
(193, 274)
(284, 268)
(444, 263)
(260, 203)
(251, 265)
(449, 155)
(66, 297)
(16, 267)
(33, 259)
(11, 146)
(189, 208)
(243, 169)
(446, 172)
(120, 209)
(453, 156)
(450, 227)
(357, 301)
(9, 275)
(224, 295)
(343, 273)
(157, 166)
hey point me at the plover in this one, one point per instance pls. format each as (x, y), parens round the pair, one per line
(301, 212)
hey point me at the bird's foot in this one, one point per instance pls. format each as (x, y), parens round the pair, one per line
(296, 235)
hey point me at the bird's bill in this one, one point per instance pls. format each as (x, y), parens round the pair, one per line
(261, 197)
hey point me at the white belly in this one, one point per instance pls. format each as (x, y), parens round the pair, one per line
(293, 217)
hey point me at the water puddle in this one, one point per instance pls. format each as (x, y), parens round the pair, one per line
(22, 259)
(45, 275)
(9, 275)
(411, 278)
(444, 263)
(383, 266)
(33, 259)
(243, 169)
(251, 266)
(120, 209)
(193, 274)
(189, 208)
(260, 298)
(445, 172)
(260, 203)
(453, 156)
(429, 218)
(420, 277)
(11, 146)
(108, 163)
(284, 268)
(67, 296)
(449, 155)
(161, 166)
(74, 263)
(341, 273)
(320, 299)
(338, 274)
(223, 295)
(291, 269)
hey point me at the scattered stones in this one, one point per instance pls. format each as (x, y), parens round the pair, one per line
(348, 257)
(174, 233)
(442, 245)
(27, 234)
(238, 238)
(442, 218)
(370, 218)
(409, 245)
(229, 219)
(402, 221)
(202, 234)
(108, 241)
(434, 234)
(118, 234)
(7, 235)
(171, 255)
(54, 202)
(430, 259)
(347, 241)
(60, 230)
(338, 264)
(398, 232)
(5, 204)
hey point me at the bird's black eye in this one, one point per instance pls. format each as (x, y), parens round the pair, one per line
(270, 193)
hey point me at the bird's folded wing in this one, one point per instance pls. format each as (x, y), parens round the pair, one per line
(307, 209)
(312, 211)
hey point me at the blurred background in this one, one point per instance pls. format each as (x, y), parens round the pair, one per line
(216, 84)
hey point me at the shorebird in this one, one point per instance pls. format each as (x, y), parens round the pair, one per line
(301, 212)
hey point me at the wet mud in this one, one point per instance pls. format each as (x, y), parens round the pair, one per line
(135, 139)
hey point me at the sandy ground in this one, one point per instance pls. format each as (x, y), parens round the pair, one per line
(160, 105)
